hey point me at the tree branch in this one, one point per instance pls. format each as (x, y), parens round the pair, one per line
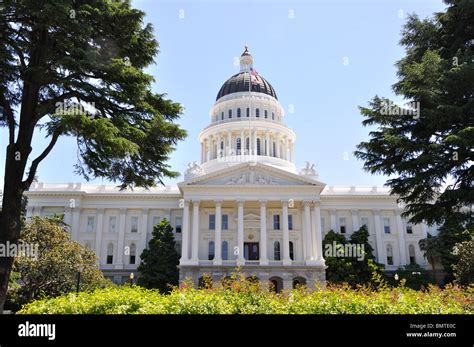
(34, 165)
(10, 117)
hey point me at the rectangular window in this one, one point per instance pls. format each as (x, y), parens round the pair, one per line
(112, 224)
(409, 229)
(110, 259)
(225, 222)
(90, 224)
(386, 225)
(365, 221)
(212, 222)
(389, 260)
(342, 225)
(276, 222)
(134, 224)
(132, 259)
(178, 222)
(290, 222)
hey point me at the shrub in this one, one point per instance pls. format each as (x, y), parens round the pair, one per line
(239, 296)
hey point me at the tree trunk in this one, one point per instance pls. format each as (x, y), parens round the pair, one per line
(10, 218)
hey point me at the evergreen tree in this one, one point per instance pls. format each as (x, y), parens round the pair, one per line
(159, 263)
(464, 268)
(77, 68)
(429, 152)
(363, 268)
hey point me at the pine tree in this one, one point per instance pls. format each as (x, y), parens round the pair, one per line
(159, 263)
(427, 146)
(77, 69)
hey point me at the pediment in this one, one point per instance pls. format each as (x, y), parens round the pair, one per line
(247, 174)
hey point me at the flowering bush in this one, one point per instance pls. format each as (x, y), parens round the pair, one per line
(238, 296)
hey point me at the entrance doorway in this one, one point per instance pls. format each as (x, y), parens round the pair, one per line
(251, 251)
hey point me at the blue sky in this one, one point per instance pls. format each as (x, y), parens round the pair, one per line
(324, 59)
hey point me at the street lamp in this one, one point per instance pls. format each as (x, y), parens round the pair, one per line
(396, 277)
(132, 276)
(80, 268)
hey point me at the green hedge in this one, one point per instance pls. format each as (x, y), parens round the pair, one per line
(240, 298)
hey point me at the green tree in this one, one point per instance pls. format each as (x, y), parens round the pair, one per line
(51, 270)
(429, 153)
(76, 68)
(159, 262)
(414, 277)
(362, 269)
(431, 248)
(464, 268)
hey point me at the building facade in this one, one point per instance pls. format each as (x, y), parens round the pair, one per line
(244, 204)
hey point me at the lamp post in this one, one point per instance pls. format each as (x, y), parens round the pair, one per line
(396, 277)
(132, 276)
(80, 268)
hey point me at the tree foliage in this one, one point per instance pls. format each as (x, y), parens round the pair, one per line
(53, 270)
(77, 68)
(159, 262)
(464, 268)
(353, 270)
(429, 153)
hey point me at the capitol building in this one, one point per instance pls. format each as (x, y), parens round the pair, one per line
(243, 204)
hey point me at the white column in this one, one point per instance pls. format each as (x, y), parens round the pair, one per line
(99, 232)
(263, 233)
(307, 227)
(121, 240)
(255, 142)
(218, 238)
(76, 221)
(185, 234)
(287, 149)
(267, 141)
(318, 239)
(278, 146)
(286, 234)
(229, 142)
(195, 244)
(332, 217)
(378, 238)
(292, 152)
(208, 149)
(240, 232)
(355, 220)
(202, 152)
(401, 238)
(143, 231)
(219, 153)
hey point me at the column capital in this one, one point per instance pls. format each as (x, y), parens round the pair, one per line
(263, 202)
(100, 210)
(196, 202)
(354, 210)
(240, 201)
(123, 211)
(317, 203)
(218, 202)
(145, 210)
(284, 203)
(306, 202)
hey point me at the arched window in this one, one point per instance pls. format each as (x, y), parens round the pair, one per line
(247, 112)
(292, 251)
(222, 115)
(247, 144)
(258, 147)
(274, 151)
(225, 250)
(257, 112)
(133, 253)
(211, 250)
(110, 253)
(389, 255)
(230, 113)
(238, 145)
(266, 114)
(273, 115)
(411, 253)
(239, 113)
(276, 251)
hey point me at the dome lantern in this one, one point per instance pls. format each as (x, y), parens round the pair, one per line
(246, 61)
